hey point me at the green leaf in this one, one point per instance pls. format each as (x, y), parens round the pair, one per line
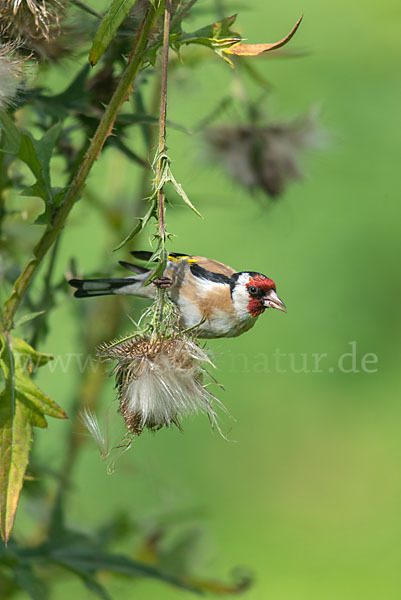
(92, 560)
(35, 415)
(180, 191)
(12, 135)
(36, 154)
(26, 579)
(115, 15)
(21, 347)
(142, 222)
(15, 443)
(74, 99)
(22, 405)
(43, 403)
(28, 317)
(216, 36)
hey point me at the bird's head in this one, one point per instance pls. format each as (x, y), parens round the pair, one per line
(252, 293)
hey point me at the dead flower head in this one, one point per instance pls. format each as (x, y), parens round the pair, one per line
(159, 381)
(38, 17)
(263, 156)
(36, 26)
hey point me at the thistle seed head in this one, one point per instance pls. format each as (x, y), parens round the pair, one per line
(263, 156)
(159, 381)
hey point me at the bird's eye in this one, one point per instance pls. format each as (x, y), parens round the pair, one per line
(252, 290)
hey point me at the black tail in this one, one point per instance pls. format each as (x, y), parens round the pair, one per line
(133, 268)
(86, 288)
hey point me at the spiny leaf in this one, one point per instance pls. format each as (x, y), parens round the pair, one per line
(142, 222)
(180, 191)
(36, 154)
(43, 403)
(216, 36)
(255, 49)
(116, 13)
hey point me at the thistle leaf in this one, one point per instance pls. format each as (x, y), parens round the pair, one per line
(142, 222)
(23, 349)
(11, 134)
(28, 317)
(180, 191)
(22, 405)
(115, 15)
(255, 49)
(36, 154)
(15, 444)
(43, 403)
(215, 36)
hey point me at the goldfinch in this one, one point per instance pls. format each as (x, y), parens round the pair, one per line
(221, 301)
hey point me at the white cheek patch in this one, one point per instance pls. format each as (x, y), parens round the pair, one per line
(241, 297)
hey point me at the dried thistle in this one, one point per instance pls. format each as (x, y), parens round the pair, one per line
(159, 381)
(11, 71)
(38, 27)
(263, 156)
(160, 376)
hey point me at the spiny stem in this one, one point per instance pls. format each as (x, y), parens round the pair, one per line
(162, 125)
(74, 191)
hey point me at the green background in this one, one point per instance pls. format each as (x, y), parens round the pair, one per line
(307, 493)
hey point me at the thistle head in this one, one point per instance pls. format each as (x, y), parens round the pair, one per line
(263, 156)
(159, 381)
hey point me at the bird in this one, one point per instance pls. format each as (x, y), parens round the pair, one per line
(211, 296)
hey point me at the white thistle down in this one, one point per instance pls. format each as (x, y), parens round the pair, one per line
(10, 75)
(89, 419)
(160, 381)
(160, 376)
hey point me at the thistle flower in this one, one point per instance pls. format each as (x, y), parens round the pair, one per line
(160, 376)
(36, 26)
(159, 381)
(263, 156)
(39, 17)
(11, 70)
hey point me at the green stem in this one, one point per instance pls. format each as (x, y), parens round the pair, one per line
(162, 125)
(103, 131)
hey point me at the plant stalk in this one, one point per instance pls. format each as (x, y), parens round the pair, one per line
(162, 123)
(103, 131)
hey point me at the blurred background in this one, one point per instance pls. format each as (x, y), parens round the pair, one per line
(306, 495)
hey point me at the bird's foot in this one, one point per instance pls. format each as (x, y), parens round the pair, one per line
(163, 282)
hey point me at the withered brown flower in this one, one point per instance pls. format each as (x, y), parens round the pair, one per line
(159, 381)
(263, 156)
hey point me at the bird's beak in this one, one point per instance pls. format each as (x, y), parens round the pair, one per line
(273, 301)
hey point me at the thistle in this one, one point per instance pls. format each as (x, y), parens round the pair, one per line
(38, 27)
(264, 156)
(160, 375)
(38, 17)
